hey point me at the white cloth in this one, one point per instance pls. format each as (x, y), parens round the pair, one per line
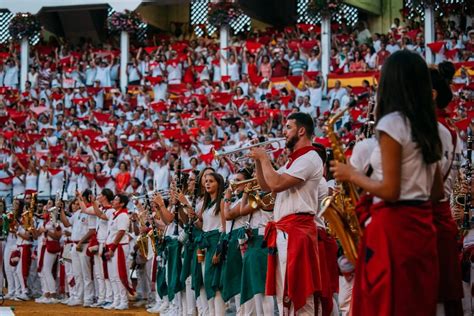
(417, 177)
(360, 158)
(117, 223)
(301, 198)
(211, 221)
(451, 158)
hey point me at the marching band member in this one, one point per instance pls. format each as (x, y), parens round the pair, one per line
(293, 265)
(231, 277)
(24, 244)
(397, 265)
(103, 211)
(212, 222)
(83, 226)
(50, 232)
(11, 253)
(450, 286)
(254, 260)
(117, 252)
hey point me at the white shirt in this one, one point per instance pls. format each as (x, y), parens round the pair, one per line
(81, 223)
(117, 223)
(300, 198)
(102, 225)
(451, 158)
(417, 177)
(238, 222)
(360, 158)
(210, 221)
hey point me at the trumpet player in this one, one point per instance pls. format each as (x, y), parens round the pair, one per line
(253, 300)
(293, 273)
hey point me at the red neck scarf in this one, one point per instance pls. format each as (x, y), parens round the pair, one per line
(298, 153)
(117, 213)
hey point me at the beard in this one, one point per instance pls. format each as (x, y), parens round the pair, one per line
(291, 142)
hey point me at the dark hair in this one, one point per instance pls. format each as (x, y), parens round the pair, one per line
(199, 179)
(405, 86)
(87, 195)
(303, 120)
(123, 199)
(447, 70)
(109, 195)
(220, 194)
(444, 95)
(321, 150)
(246, 172)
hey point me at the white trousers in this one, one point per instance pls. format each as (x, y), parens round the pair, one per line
(190, 299)
(19, 273)
(81, 269)
(282, 252)
(345, 295)
(260, 305)
(48, 284)
(468, 300)
(119, 291)
(14, 287)
(104, 286)
(216, 304)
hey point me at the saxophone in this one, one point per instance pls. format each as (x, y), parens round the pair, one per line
(142, 240)
(339, 209)
(27, 217)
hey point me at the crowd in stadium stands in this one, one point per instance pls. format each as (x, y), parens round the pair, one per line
(72, 116)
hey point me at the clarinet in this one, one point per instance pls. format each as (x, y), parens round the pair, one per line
(466, 225)
(193, 205)
(176, 206)
(156, 237)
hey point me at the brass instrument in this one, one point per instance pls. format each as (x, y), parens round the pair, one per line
(261, 200)
(234, 185)
(233, 153)
(339, 209)
(142, 240)
(256, 199)
(27, 218)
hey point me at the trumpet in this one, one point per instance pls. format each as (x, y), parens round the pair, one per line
(234, 185)
(232, 153)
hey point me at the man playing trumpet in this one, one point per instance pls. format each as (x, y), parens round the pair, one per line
(293, 273)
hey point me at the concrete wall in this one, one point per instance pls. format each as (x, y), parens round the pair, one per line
(390, 9)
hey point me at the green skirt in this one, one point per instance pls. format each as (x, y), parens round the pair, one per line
(231, 275)
(161, 286)
(212, 272)
(191, 266)
(174, 264)
(254, 268)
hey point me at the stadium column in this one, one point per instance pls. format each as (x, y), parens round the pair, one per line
(429, 32)
(124, 47)
(325, 46)
(25, 46)
(224, 46)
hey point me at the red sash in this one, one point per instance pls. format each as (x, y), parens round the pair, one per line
(104, 265)
(450, 285)
(25, 261)
(41, 258)
(397, 268)
(154, 269)
(327, 248)
(62, 278)
(302, 277)
(122, 268)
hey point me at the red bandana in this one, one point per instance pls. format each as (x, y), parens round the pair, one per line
(297, 153)
(117, 213)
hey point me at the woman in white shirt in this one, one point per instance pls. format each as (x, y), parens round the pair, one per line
(397, 261)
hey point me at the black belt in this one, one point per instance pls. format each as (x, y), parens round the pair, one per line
(305, 214)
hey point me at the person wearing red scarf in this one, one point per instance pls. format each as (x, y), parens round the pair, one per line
(117, 252)
(293, 268)
(450, 286)
(122, 180)
(397, 265)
